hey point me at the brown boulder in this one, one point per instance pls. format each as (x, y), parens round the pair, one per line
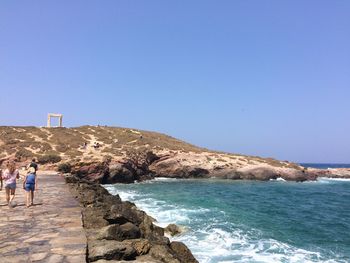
(146, 226)
(119, 173)
(115, 218)
(164, 254)
(119, 232)
(124, 212)
(90, 193)
(93, 217)
(130, 231)
(182, 252)
(110, 249)
(173, 229)
(152, 232)
(142, 246)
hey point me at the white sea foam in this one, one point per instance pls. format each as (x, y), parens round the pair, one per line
(126, 195)
(278, 179)
(166, 213)
(334, 179)
(164, 179)
(217, 240)
(218, 245)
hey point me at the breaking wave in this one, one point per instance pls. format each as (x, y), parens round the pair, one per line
(212, 237)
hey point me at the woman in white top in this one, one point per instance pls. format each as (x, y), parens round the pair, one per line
(10, 175)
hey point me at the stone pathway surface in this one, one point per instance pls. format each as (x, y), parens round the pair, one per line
(49, 231)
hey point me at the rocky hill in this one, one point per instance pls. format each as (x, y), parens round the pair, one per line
(133, 154)
(24, 142)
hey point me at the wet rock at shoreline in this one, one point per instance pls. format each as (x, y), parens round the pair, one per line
(173, 229)
(120, 173)
(164, 254)
(110, 249)
(117, 230)
(142, 246)
(182, 252)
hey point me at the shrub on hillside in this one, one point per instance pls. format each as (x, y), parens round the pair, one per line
(73, 153)
(62, 148)
(23, 154)
(45, 147)
(64, 168)
(12, 141)
(49, 158)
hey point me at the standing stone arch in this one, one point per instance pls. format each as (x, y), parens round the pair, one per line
(54, 115)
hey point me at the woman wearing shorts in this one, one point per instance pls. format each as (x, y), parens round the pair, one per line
(10, 175)
(29, 184)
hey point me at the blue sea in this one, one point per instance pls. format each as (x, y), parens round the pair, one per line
(251, 221)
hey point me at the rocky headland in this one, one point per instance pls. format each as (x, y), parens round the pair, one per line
(184, 165)
(111, 155)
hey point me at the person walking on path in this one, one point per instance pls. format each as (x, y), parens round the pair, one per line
(34, 165)
(30, 184)
(10, 176)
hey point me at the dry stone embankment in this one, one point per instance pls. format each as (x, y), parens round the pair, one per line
(117, 230)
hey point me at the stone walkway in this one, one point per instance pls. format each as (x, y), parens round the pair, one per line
(49, 231)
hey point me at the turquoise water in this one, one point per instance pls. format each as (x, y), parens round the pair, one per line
(249, 221)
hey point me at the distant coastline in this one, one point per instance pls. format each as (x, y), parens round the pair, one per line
(325, 165)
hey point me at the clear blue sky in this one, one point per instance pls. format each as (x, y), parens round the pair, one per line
(268, 78)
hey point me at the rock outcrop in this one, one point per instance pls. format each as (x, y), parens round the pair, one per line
(127, 155)
(341, 173)
(174, 230)
(190, 165)
(118, 230)
(200, 165)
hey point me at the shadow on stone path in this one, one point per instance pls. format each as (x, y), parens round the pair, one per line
(49, 231)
